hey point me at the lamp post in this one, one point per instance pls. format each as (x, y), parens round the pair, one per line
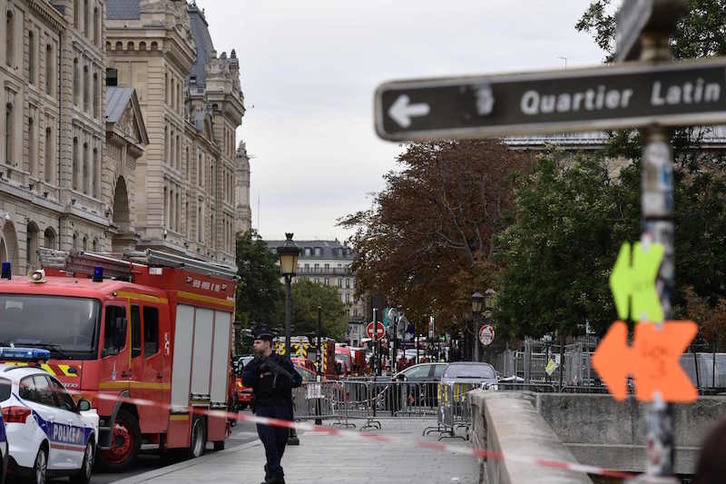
(288, 254)
(477, 305)
(489, 296)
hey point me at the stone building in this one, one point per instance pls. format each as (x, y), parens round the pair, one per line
(117, 134)
(328, 262)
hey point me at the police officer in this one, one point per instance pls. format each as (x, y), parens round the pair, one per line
(272, 378)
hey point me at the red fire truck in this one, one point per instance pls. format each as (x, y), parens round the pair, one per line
(146, 325)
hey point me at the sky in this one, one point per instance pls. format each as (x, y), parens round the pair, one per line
(309, 70)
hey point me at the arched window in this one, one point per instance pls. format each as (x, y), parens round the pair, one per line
(75, 163)
(31, 246)
(154, 46)
(10, 38)
(86, 169)
(49, 63)
(96, 173)
(86, 90)
(76, 83)
(32, 147)
(130, 46)
(9, 132)
(49, 150)
(119, 46)
(49, 238)
(95, 245)
(96, 96)
(86, 19)
(96, 27)
(31, 57)
(75, 242)
(85, 243)
(77, 14)
(142, 45)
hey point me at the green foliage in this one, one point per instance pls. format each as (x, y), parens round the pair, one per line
(306, 297)
(258, 290)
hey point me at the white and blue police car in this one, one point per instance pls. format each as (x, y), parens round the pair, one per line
(3, 450)
(48, 434)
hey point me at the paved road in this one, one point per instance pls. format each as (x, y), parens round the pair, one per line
(241, 434)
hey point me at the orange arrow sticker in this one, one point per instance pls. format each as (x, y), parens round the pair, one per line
(653, 361)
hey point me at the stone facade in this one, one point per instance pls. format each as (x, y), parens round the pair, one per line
(194, 181)
(147, 161)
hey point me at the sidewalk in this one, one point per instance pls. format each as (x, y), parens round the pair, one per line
(322, 458)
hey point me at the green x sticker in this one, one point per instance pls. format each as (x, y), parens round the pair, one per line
(634, 282)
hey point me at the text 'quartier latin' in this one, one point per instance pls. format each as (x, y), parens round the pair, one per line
(602, 98)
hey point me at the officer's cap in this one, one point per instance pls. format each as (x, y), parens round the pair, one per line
(264, 333)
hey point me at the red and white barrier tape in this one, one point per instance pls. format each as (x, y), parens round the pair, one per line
(366, 436)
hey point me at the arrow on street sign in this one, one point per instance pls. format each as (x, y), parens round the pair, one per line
(638, 16)
(402, 111)
(653, 361)
(634, 282)
(613, 97)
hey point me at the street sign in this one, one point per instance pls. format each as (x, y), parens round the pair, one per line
(379, 334)
(486, 334)
(612, 97)
(638, 16)
(653, 360)
(635, 283)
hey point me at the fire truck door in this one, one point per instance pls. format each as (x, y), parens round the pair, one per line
(146, 380)
(114, 373)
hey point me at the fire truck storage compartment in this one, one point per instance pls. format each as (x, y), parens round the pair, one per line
(202, 354)
(220, 358)
(182, 367)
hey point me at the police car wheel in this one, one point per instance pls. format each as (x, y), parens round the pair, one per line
(40, 467)
(84, 476)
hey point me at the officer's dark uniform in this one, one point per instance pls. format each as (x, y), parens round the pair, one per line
(272, 398)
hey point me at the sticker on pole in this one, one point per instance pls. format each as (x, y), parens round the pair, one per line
(633, 283)
(652, 360)
(486, 334)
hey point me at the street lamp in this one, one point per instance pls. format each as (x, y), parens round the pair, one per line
(477, 305)
(288, 254)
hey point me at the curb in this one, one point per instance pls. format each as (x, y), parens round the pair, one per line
(147, 476)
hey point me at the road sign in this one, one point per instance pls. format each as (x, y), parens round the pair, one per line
(638, 16)
(379, 334)
(613, 97)
(653, 360)
(486, 334)
(636, 283)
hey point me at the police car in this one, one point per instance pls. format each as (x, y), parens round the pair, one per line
(48, 434)
(3, 450)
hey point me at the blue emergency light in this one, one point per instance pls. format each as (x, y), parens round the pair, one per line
(5, 271)
(98, 274)
(24, 354)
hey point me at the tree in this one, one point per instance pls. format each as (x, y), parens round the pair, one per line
(425, 245)
(306, 297)
(258, 290)
(560, 247)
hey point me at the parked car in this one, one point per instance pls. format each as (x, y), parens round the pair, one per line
(422, 372)
(469, 374)
(47, 432)
(3, 440)
(423, 379)
(244, 394)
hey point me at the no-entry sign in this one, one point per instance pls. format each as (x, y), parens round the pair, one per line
(379, 334)
(486, 334)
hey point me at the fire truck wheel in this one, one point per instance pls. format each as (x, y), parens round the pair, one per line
(125, 443)
(198, 440)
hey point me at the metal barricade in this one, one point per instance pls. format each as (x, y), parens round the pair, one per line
(454, 410)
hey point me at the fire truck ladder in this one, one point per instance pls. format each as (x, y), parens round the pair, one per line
(121, 267)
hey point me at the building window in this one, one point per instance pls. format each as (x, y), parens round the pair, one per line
(85, 243)
(188, 162)
(327, 268)
(96, 173)
(77, 13)
(9, 38)
(86, 20)
(86, 170)
(316, 268)
(318, 251)
(75, 164)
(96, 27)
(142, 45)
(327, 281)
(76, 83)
(31, 246)
(347, 283)
(49, 238)
(96, 96)
(75, 241)
(308, 251)
(166, 207)
(32, 147)
(86, 89)
(9, 132)
(48, 154)
(200, 234)
(49, 62)
(166, 143)
(31, 57)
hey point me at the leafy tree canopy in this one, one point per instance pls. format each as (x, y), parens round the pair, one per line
(306, 297)
(258, 289)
